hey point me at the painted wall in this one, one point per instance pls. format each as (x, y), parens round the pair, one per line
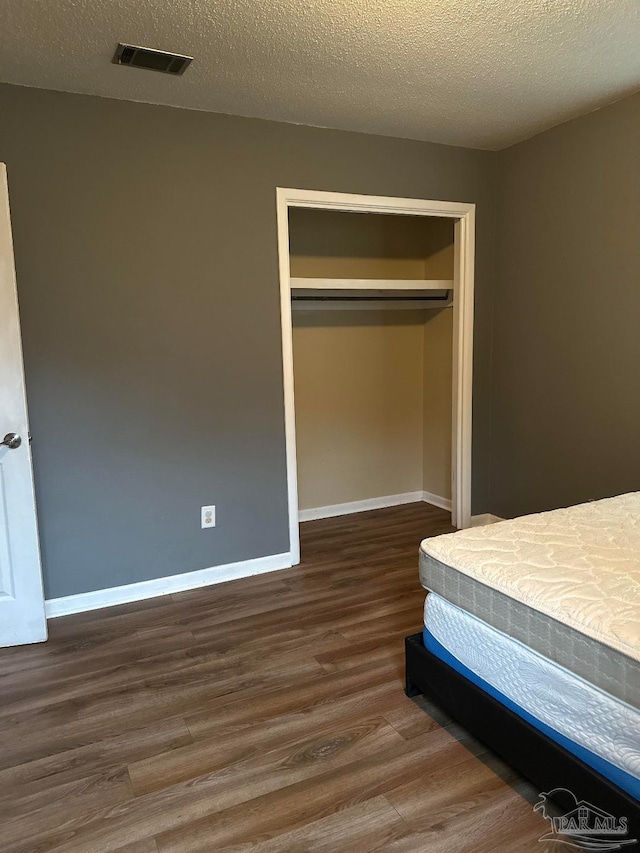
(437, 373)
(145, 242)
(358, 392)
(373, 404)
(437, 402)
(330, 244)
(566, 342)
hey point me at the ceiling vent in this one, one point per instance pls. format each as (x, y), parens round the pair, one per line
(152, 60)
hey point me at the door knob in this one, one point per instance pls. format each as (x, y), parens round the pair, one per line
(11, 440)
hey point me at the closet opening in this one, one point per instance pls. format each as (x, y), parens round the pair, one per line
(377, 314)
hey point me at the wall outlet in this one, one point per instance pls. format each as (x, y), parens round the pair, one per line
(207, 517)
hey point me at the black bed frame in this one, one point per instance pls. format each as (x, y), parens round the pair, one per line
(544, 762)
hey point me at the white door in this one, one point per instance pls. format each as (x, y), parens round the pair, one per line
(22, 617)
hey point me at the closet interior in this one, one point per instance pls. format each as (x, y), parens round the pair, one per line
(372, 355)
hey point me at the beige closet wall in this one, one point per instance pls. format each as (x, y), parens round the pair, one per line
(437, 402)
(328, 244)
(438, 367)
(372, 389)
(359, 405)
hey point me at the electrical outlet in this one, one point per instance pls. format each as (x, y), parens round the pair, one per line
(208, 517)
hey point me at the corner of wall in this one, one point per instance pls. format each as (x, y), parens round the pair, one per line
(494, 288)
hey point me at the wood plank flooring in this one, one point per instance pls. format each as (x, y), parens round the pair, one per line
(264, 714)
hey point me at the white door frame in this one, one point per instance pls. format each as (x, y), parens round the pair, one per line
(464, 251)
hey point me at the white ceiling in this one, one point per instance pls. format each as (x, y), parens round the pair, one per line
(478, 73)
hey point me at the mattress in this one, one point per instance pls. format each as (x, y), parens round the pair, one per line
(566, 583)
(598, 728)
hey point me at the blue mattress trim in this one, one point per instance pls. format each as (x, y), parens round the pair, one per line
(614, 774)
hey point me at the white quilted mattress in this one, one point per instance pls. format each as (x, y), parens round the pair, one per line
(580, 565)
(567, 703)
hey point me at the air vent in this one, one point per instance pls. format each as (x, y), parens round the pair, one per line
(152, 60)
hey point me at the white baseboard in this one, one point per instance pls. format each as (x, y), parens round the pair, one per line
(97, 599)
(162, 586)
(436, 500)
(484, 518)
(358, 506)
(372, 503)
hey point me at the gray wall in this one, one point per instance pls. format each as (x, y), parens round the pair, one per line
(145, 242)
(566, 342)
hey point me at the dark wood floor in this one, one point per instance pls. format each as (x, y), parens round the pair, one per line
(264, 714)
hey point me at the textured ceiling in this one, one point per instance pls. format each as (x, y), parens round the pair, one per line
(478, 73)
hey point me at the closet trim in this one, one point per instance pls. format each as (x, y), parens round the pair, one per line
(463, 215)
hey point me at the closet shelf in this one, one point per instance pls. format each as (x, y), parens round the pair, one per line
(370, 284)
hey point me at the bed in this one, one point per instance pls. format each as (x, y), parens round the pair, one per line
(531, 639)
